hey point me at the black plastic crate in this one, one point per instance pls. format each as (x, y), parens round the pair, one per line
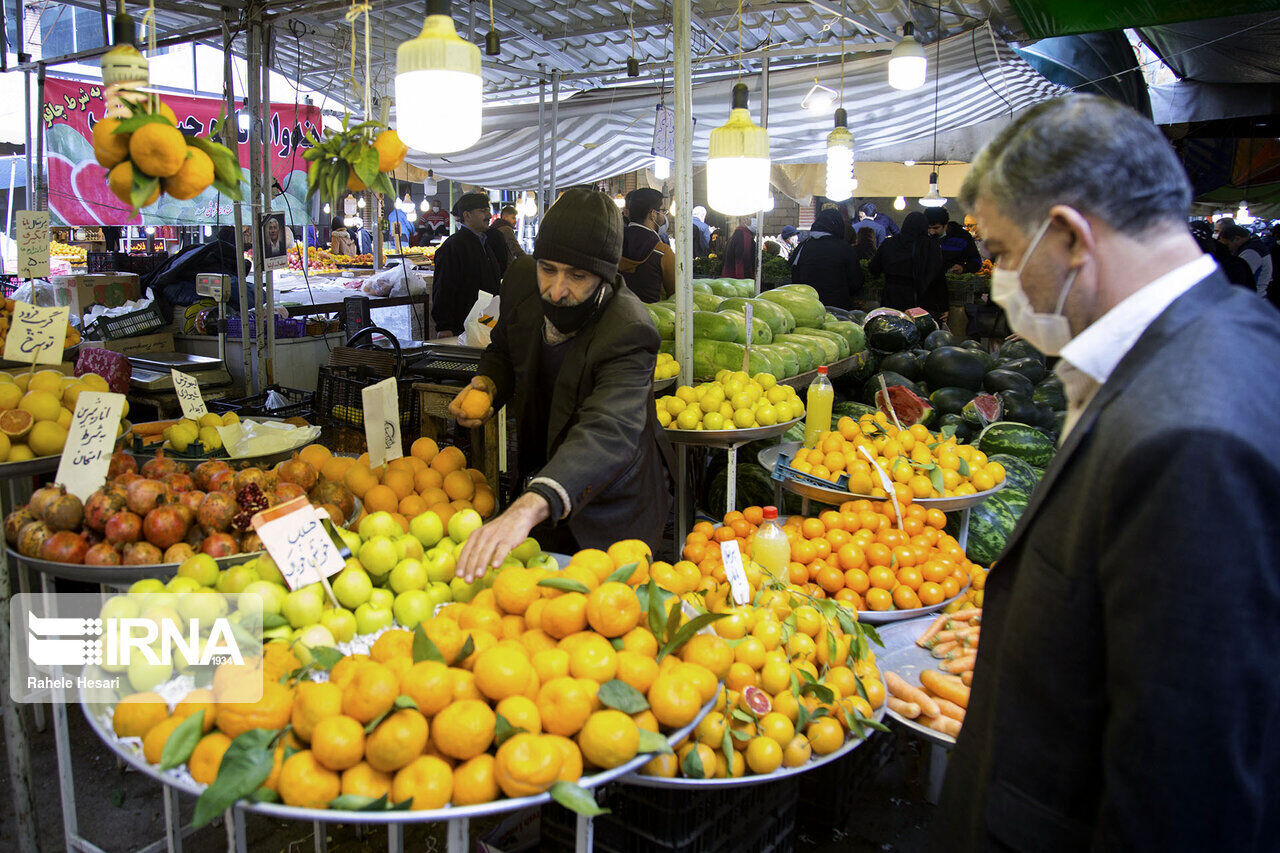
(339, 400)
(256, 406)
(100, 262)
(140, 263)
(131, 325)
(825, 793)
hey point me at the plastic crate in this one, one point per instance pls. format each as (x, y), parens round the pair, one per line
(285, 328)
(339, 401)
(131, 325)
(141, 263)
(826, 793)
(100, 262)
(256, 406)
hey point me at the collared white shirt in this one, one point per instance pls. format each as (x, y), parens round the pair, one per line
(1089, 358)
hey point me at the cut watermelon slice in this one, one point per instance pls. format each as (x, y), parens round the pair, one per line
(982, 410)
(909, 406)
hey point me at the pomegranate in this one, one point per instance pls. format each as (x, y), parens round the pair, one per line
(250, 542)
(144, 495)
(287, 491)
(42, 497)
(191, 500)
(251, 475)
(64, 547)
(126, 478)
(179, 552)
(14, 522)
(218, 545)
(121, 463)
(123, 528)
(329, 492)
(335, 513)
(222, 481)
(31, 538)
(297, 470)
(164, 526)
(141, 554)
(102, 554)
(65, 512)
(205, 470)
(101, 505)
(180, 482)
(195, 536)
(161, 466)
(188, 514)
(216, 511)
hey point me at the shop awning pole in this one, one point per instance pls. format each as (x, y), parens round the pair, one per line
(231, 138)
(555, 130)
(542, 148)
(268, 58)
(254, 102)
(764, 122)
(683, 174)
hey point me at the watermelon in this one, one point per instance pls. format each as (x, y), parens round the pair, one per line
(925, 324)
(990, 524)
(851, 332)
(1018, 475)
(910, 407)
(873, 385)
(1032, 368)
(710, 357)
(954, 367)
(701, 284)
(806, 310)
(664, 318)
(1052, 393)
(950, 401)
(891, 332)
(940, 338)
(785, 357)
(850, 409)
(760, 331)
(1007, 380)
(858, 317)
(962, 431)
(806, 359)
(822, 350)
(705, 301)
(903, 363)
(1018, 407)
(714, 326)
(1015, 439)
(779, 319)
(1019, 348)
(841, 342)
(755, 488)
(981, 410)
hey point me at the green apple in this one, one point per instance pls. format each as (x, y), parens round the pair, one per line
(439, 593)
(204, 605)
(280, 632)
(463, 523)
(181, 663)
(379, 523)
(412, 607)
(426, 528)
(144, 675)
(340, 622)
(350, 538)
(378, 555)
(510, 561)
(272, 595)
(370, 619)
(440, 565)
(268, 570)
(179, 584)
(542, 560)
(462, 591)
(236, 578)
(119, 607)
(161, 613)
(407, 575)
(143, 590)
(303, 607)
(201, 568)
(381, 598)
(408, 547)
(526, 550)
(352, 586)
(310, 638)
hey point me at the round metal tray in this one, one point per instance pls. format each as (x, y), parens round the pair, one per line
(115, 575)
(662, 386)
(743, 781)
(727, 437)
(903, 656)
(885, 617)
(46, 464)
(132, 754)
(833, 496)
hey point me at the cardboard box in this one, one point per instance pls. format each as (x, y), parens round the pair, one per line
(159, 342)
(82, 291)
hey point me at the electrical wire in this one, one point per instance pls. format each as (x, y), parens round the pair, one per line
(937, 80)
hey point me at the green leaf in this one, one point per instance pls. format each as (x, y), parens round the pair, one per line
(365, 164)
(690, 628)
(673, 622)
(273, 620)
(468, 646)
(183, 739)
(935, 477)
(264, 794)
(618, 644)
(868, 722)
(862, 691)
(947, 431)
(245, 766)
(652, 742)
(739, 714)
(354, 802)
(692, 765)
(622, 573)
(802, 717)
(143, 188)
(871, 634)
(963, 470)
(229, 190)
(382, 186)
(132, 123)
(565, 585)
(504, 731)
(403, 702)
(326, 657)
(620, 696)
(831, 646)
(653, 603)
(820, 691)
(423, 648)
(807, 676)
(375, 722)
(737, 735)
(576, 799)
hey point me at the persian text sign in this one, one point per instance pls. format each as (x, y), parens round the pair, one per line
(83, 467)
(37, 335)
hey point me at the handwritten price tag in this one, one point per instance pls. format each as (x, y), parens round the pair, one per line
(382, 422)
(84, 463)
(296, 539)
(38, 334)
(733, 570)
(33, 243)
(189, 397)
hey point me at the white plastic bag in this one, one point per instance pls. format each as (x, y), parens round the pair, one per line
(481, 319)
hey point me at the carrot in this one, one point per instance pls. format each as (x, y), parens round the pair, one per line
(932, 629)
(910, 693)
(942, 650)
(945, 725)
(946, 687)
(964, 615)
(910, 710)
(959, 665)
(966, 678)
(948, 636)
(152, 427)
(950, 709)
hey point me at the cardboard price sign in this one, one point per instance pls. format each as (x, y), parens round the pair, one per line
(733, 570)
(37, 335)
(296, 539)
(90, 441)
(382, 422)
(33, 244)
(189, 397)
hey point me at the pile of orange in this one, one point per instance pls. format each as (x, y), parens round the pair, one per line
(430, 478)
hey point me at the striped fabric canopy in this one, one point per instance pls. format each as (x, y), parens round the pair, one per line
(609, 132)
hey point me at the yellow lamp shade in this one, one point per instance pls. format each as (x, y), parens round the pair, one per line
(738, 162)
(438, 87)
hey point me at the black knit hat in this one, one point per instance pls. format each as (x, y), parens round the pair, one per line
(937, 215)
(470, 201)
(582, 229)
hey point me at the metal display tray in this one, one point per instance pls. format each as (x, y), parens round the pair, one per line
(728, 437)
(902, 656)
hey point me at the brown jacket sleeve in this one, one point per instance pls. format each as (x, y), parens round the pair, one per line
(668, 268)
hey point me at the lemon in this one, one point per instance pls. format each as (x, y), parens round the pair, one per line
(124, 412)
(72, 393)
(766, 415)
(210, 439)
(47, 438)
(713, 420)
(744, 418)
(664, 418)
(22, 380)
(95, 382)
(4, 447)
(6, 378)
(46, 380)
(209, 419)
(10, 396)
(20, 453)
(675, 406)
(230, 418)
(689, 418)
(43, 405)
(64, 418)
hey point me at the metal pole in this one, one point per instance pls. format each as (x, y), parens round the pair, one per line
(8, 216)
(682, 174)
(555, 130)
(268, 58)
(230, 135)
(30, 142)
(542, 149)
(254, 101)
(764, 122)
(15, 735)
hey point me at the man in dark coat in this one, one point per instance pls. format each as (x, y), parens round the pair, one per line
(870, 217)
(648, 265)
(827, 263)
(1233, 267)
(464, 266)
(501, 237)
(1153, 725)
(572, 355)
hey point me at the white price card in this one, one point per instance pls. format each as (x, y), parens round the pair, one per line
(733, 570)
(92, 437)
(37, 335)
(33, 243)
(382, 422)
(189, 397)
(296, 539)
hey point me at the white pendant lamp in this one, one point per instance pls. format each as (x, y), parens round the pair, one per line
(738, 162)
(123, 68)
(932, 198)
(429, 185)
(349, 205)
(900, 203)
(840, 181)
(661, 167)
(438, 86)
(327, 209)
(818, 99)
(907, 63)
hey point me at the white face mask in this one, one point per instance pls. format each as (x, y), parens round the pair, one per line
(1048, 333)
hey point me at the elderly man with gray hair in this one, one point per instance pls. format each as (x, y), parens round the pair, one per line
(1125, 694)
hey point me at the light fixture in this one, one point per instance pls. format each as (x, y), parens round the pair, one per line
(768, 204)
(397, 203)
(412, 217)
(349, 205)
(360, 203)
(429, 185)
(899, 203)
(438, 86)
(407, 204)
(123, 67)
(661, 168)
(424, 205)
(932, 198)
(620, 200)
(819, 98)
(327, 209)
(527, 206)
(495, 196)
(151, 230)
(907, 63)
(908, 163)
(840, 159)
(208, 231)
(1242, 212)
(738, 161)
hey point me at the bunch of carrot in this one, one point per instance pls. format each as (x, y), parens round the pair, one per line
(942, 698)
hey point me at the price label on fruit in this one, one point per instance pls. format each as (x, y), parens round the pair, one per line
(296, 539)
(382, 422)
(37, 335)
(189, 397)
(733, 570)
(92, 437)
(33, 244)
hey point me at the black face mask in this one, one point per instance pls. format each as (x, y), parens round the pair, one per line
(570, 318)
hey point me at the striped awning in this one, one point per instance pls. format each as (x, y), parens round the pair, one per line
(609, 132)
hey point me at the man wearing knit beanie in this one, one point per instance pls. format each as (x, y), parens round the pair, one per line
(572, 357)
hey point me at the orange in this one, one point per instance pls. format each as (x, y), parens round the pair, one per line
(412, 506)
(338, 742)
(475, 404)
(158, 149)
(464, 729)
(571, 769)
(521, 712)
(594, 658)
(704, 767)
(710, 730)
(514, 589)
(109, 147)
(825, 735)
(609, 738)
(796, 752)
(637, 670)
(740, 675)
(192, 178)
(502, 671)
(207, 756)
(459, 486)
(464, 685)
(399, 481)
(391, 151)
(632, 551)
(527, 765)
(424, 448)
(564, 615)
(564, 706)
(475, 781)
(335, 468)
(396, 741)
(882, 577)
(272, 711)
(137, 714)
(764, 755)
(313, 701)
(306, 783)
(449, 459)
(315, 455)
(905, 598)
(484, 502)
(120, 182)
(427, 478)
(371, 693)
(778, 726)
(359, 479)
(674, 702)
(597, 561)
(641, 641)
(345, 670)
(362, 780)
(446, 635)
(709, 651)
(427, 781)
(613, 609)
(550, 663)
(154, 740)
(381, 498)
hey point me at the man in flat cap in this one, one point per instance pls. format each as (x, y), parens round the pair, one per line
(464, 266)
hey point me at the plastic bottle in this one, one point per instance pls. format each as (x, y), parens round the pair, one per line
(818, 402)
(770, 548)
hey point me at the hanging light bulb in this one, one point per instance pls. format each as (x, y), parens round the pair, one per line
(438, 86)
(738, 162)
(495, 196)
(396, 203)
(819, 98)
(528, 207)
(151, 230)
(932, 198)
(900, 203)
(908, 163)
(407, 204)
(349, 205)
(123, 67)
(1242, 212)
(360, 203)
(327, 209)
(208, 231)
(840, 159)
(411, 216)
(429, 185)
(424, 205)
(907, 63)
(620, 200)
(661, 168)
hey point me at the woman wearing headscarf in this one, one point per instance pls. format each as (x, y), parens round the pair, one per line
(827, 263)
(864, 244)
(912, 268)
(740, 254)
